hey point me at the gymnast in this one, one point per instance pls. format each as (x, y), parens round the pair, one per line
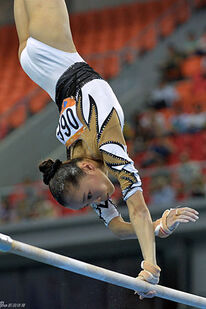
(90, 126)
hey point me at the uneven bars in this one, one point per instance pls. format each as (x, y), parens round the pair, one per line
(7, 244)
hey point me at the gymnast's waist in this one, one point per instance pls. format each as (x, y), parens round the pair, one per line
(72, 80)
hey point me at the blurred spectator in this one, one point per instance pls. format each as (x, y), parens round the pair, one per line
(199, 83)
(145, 127)
(203, 64)
(197, 188)
(30, 190)
(44, 209)
(188, 170)
(160, 149)
(117, 195)
(7, 212)
(201, 44)
(139, 145)
(179, 122)
(152, 124)
(128, 131)
(182, 122)
(23, 210)
(27, 201)
(161, 170)
(163, 96)
(179, 187)
(129, 134)
(197, 120)
(171, 67)
(135, 120)
(162, 193)
(190, 46)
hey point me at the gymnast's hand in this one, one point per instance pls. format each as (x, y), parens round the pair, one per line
(181, 215)
(150, 274)
(171, 218)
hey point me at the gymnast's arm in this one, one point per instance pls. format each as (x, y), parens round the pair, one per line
(122, 229)
(162, 227)
(114, 152)
(141, 227)
(113, 148)
(142, 223)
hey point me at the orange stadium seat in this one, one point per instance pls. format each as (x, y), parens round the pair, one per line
(200, 99)
(111, 66)
(149, 39)
(116, 42)
(4, 107)
(187, 105)
(96, 63)
(95, 33)
(183, 11)
(85, 49)
(3, 127)
(184, 89)
(166, 4)
(167, 24)
(39, 101)
(17, 117)
(167, 113)
(154, 9)
(136, 40)
(191, 66)
(102, 44)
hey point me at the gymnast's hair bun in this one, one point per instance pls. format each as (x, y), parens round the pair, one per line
(49, 169)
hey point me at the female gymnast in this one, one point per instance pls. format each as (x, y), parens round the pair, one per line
(90, 126)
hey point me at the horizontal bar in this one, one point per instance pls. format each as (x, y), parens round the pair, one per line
(7, 244)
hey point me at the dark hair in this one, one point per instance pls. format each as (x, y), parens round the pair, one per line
(57, 174)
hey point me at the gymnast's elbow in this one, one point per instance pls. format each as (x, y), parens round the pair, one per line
(120, 234)
(121, 229)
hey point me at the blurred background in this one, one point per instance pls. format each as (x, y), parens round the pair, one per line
(153, 54)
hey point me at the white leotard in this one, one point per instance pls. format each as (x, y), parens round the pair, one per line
(99, 106)
(45, 64)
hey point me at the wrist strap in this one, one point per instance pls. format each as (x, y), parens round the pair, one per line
(153, 269)
(150, 272)
(161, 229)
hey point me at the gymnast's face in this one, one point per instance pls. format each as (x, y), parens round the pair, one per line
(94, 187)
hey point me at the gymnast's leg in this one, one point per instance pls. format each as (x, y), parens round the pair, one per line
(22, 23)
(46, 21)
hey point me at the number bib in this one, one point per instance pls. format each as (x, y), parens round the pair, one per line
(70, 127)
